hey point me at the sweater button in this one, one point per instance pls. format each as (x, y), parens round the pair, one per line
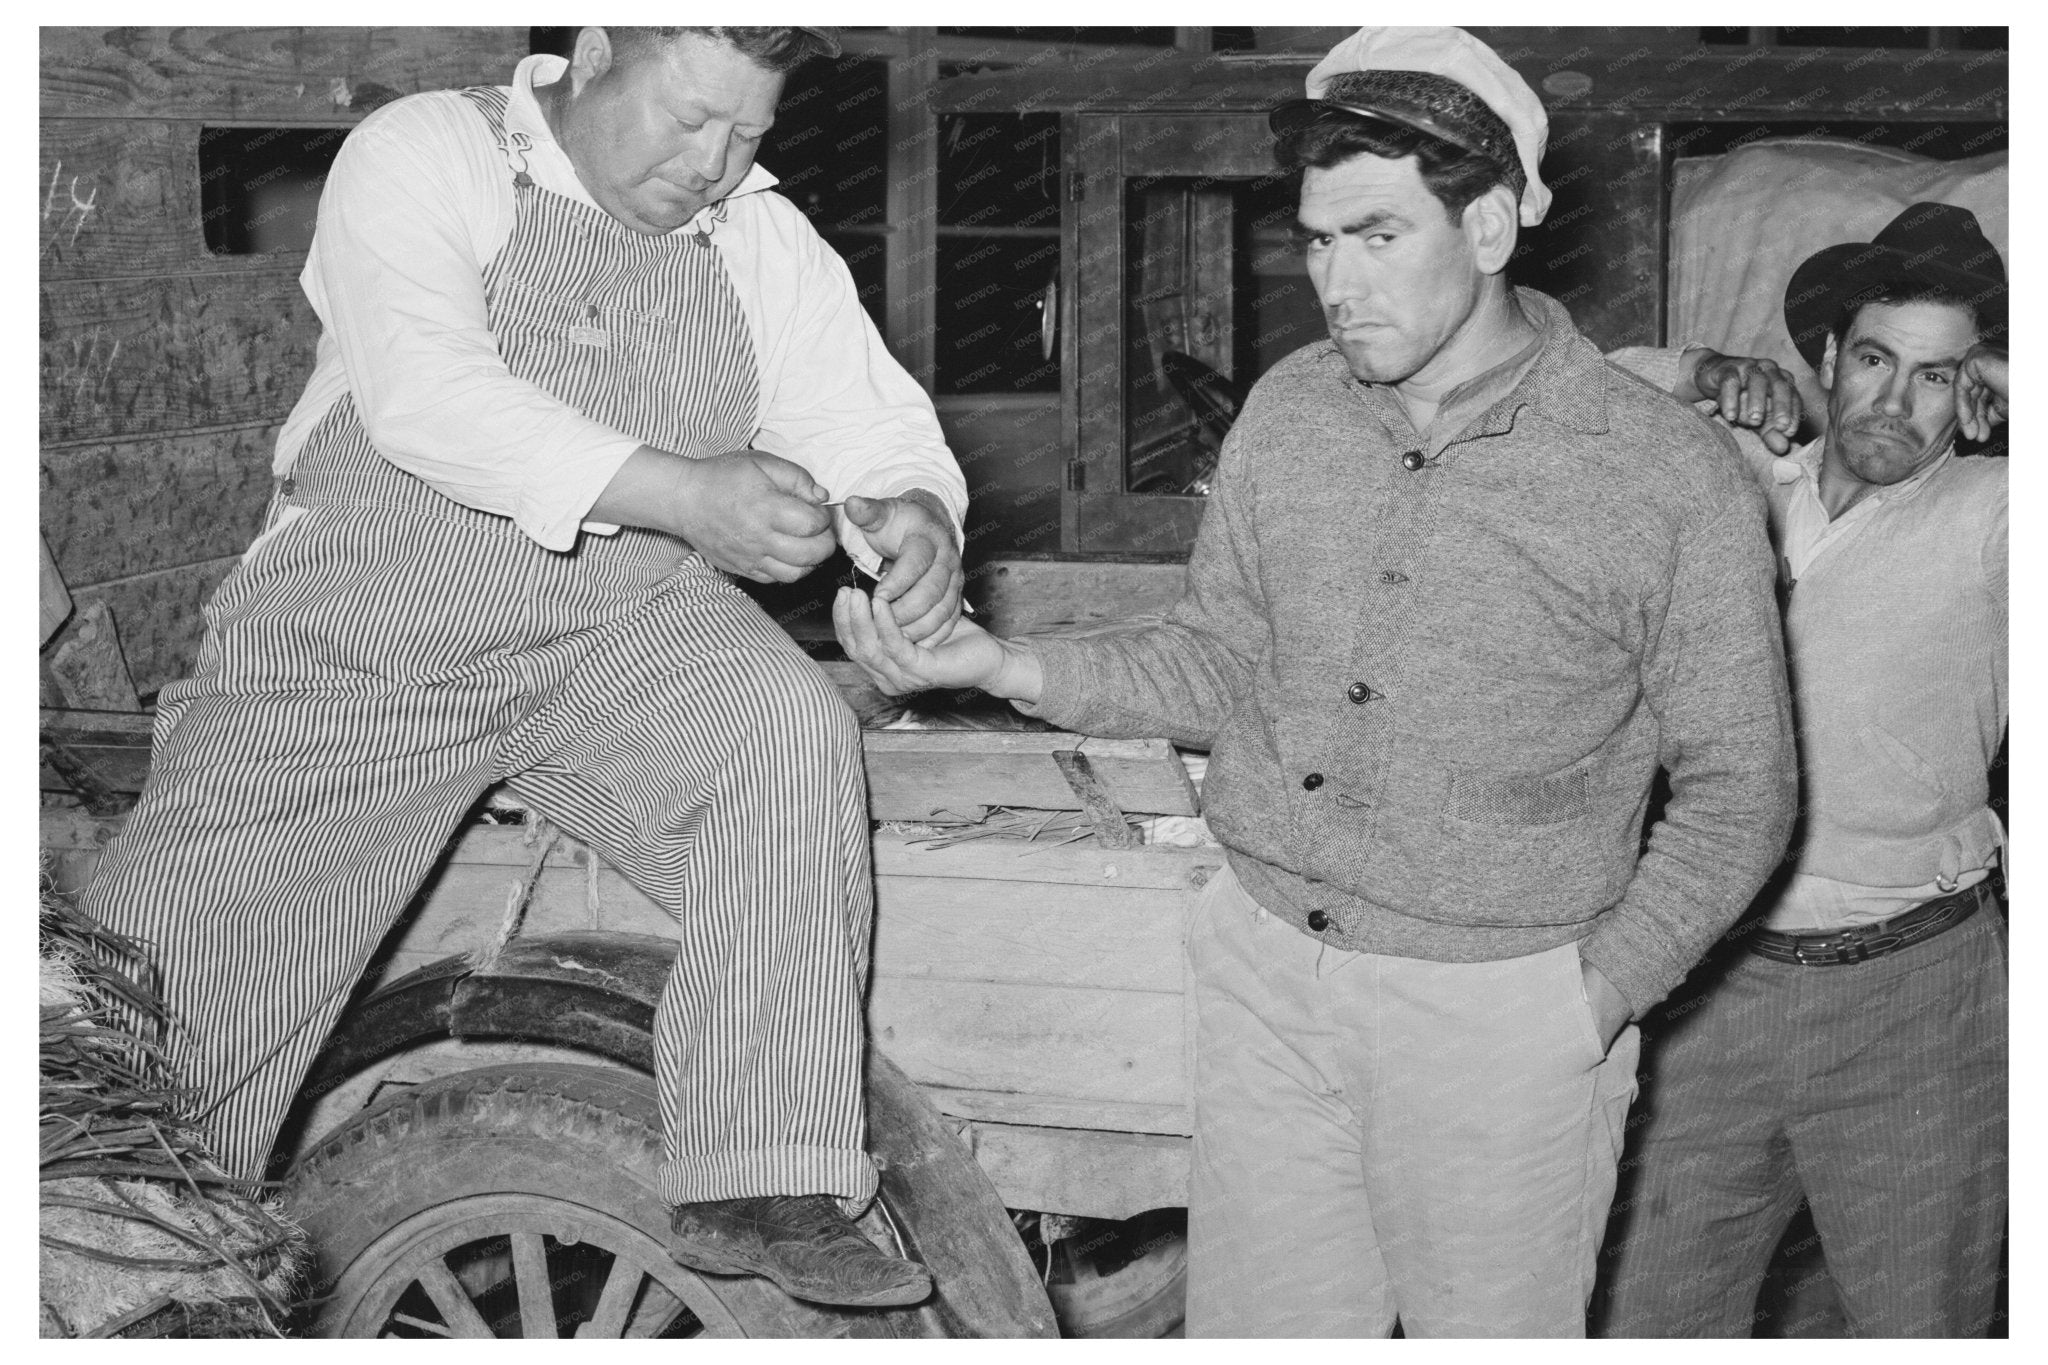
(1311, 782)
(1411, 461)
(1359, 693)
(1318, 921)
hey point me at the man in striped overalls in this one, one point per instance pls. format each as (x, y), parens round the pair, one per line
(577, 366)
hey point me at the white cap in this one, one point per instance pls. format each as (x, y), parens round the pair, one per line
(1458, 56)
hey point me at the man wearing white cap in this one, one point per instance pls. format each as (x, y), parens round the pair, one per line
(1461, 590)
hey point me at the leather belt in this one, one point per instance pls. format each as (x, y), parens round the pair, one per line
(1860, 943)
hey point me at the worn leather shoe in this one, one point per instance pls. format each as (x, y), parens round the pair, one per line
(800, 1242)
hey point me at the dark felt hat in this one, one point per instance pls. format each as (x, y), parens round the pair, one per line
(828, 36)
(1935, 243)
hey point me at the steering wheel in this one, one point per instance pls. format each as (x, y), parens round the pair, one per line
(1214, 399)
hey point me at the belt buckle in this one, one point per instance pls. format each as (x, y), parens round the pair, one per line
(1843, 949)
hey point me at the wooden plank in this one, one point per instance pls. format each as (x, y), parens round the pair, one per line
(1159, 84)
(1220, 145)
(914, 773)
(1097, 278)
(1017, 596)
(1040, 1110)
(53, 599)
(86, 665)
(1082, 864)
(1072, 471)
(912, 210)
(121, 197)
(1103, 937)
(1678, 81)
(112, 746)
(1136, 523)
(1060, 1042)
(1087, 1174)
(1112, 830)
(141, 356)
(120, 508)
(159, 618)
(256, 75)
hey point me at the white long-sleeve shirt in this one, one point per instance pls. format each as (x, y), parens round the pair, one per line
(420, 200)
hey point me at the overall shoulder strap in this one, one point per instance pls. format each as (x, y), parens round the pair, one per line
(492, 101)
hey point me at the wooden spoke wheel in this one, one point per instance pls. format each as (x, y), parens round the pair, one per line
(520, 1266)
(524, 1202)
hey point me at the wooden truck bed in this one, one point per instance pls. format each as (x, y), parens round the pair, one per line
(1034, 988)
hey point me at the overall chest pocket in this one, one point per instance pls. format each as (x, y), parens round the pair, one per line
(540, 331)
(686, 384)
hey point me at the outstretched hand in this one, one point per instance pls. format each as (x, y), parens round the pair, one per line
(923, 580)
(1750, 391)
(964, 656)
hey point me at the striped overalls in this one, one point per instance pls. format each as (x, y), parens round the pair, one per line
(383, 654)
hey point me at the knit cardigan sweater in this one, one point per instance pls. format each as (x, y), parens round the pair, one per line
(1435, 696)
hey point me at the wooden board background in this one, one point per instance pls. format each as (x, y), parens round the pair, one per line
(165, 370)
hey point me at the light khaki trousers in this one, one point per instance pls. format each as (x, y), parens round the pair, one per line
(1382, 1138)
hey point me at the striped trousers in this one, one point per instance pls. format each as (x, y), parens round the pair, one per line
(1876, 1090)
(382, 656)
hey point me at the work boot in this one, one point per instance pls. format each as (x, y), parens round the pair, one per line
(800, 1242)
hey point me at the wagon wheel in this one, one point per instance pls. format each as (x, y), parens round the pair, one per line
(516, 1265)
(1125, 1278)
(524, 1201)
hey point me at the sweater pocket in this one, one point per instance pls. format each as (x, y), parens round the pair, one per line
(1522, 849)
(1522, 801)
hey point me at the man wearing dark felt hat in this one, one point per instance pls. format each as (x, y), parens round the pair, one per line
(1461, 589)
(1847, 1045)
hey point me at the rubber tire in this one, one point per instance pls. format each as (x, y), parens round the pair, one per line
(585, 1136)
(1143, 1298)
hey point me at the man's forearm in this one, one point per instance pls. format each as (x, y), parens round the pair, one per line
(1020, 677)
(1716, 682)
(645, 492)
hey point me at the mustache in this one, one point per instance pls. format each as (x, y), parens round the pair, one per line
(1880, 426)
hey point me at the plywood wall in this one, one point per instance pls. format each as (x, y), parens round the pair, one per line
(166, 370)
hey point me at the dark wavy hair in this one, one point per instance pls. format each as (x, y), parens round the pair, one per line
(1455, 176)
(1989, 329)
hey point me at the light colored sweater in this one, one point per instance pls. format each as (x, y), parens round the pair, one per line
(1435, 698)
(1895, 634)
